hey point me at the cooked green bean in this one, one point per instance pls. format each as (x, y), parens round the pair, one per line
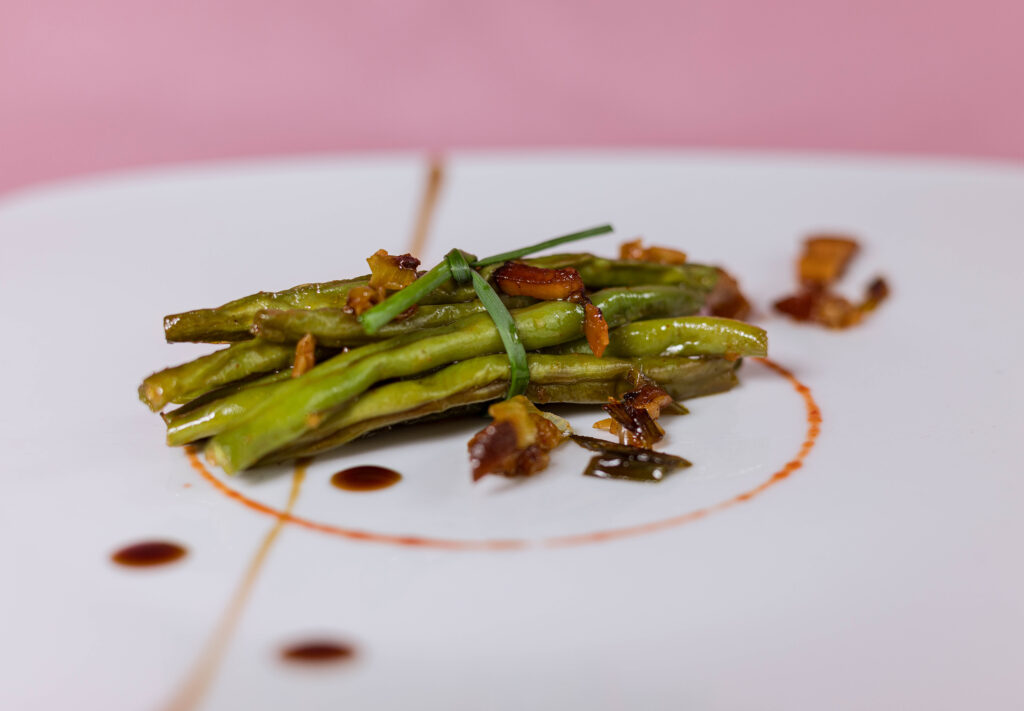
(298, 406)
(641, 339)
(553, 379)
(190, 380)
(233, 321)
(336, 328)
(680, 336)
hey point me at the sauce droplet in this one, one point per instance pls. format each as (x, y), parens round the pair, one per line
(365, 478)
(148, 553)
(318, 652)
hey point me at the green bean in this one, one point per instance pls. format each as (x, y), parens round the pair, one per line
(553, 379)
(680, 336)
(210, 414)
(336, 328)
(238, 361)
(233, 321)
(299, 405)
(190, 380)
(185, 426)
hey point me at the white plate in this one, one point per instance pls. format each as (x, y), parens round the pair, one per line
(884, 573)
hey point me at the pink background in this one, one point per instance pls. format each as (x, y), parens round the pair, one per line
(90, 85)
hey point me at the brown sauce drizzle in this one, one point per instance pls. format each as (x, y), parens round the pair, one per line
(318, 652)
(365, 478)
(148, 553)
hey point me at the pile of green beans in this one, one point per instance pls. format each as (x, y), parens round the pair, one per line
(242, 401)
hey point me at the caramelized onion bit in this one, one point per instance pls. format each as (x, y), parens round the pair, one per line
(518, 279)
(305, 355)
(517, 442)
(825, 259)
(832, 310)
(388, 272)
(798, 306)
(392, 271)
(621, 461)
(726, 299)
(647, 395)
(362, 299)
(635, 423)
(595, 328)
(877, 292)
(633, 417)
(659, 255)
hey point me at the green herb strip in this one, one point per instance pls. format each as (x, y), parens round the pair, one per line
(457, 268)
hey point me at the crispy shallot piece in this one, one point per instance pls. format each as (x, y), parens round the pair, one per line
(621, 461)
(823, 262)
(825, 259)
(518, 279)
(362, 299)
(726, 299)
(659, 255)
(832, 310)
(305, 355)
(595, 328)
(633, 417)
(517, 442)
(388, 272)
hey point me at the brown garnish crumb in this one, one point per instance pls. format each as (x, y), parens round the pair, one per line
(823, 262)
(518, 279)
(392, 271)
(825, 259)
(633, 416)
(305, 355)
(361, 299)
(517, 442)
(595, 328)
(726, 299)
(620, 461)
(659, 255)
(388, 272)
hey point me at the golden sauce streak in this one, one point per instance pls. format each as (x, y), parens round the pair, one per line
(318, 652)
(813, 421)
(205, 668)
(365, 478)
(424, 217)
(148, 553)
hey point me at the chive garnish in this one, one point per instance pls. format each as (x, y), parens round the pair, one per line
(457, 268)
(553, 242)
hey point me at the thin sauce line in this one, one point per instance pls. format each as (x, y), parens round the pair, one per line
(813, 415)
(205, 668)
(813, 424)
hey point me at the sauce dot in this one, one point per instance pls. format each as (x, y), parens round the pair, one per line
(148, 553)
(365, 478)
(318, 652)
